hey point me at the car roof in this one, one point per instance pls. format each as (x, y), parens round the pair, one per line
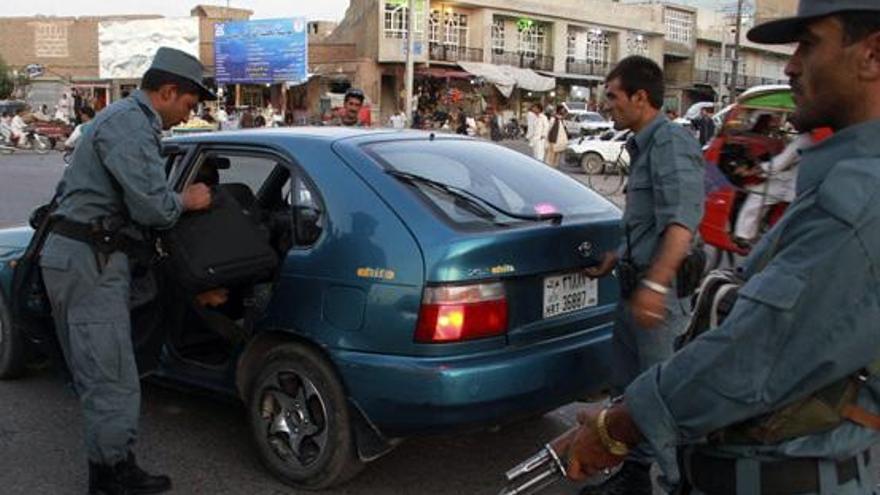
(289, 137)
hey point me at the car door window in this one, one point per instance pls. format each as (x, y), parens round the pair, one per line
(242, 174)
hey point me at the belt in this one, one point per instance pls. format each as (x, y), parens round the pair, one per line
(717, 476)
(103, 241)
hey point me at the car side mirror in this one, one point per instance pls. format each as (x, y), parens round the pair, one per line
(306, 224)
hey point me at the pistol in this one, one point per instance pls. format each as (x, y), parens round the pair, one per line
(542, 469)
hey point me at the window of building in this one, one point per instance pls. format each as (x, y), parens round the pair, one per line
(397, 20)
(531, 40)
(637, 44)
(448, 28)
(598, 46)
(498, 36)
(679, 26)
(571, 47)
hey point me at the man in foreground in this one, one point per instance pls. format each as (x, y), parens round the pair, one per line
(805, 320)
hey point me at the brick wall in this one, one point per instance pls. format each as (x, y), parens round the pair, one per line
(65, 46)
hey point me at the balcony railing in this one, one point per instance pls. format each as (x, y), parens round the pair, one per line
(710, 77)
(587, 67)
(450, 53)
(523, 60)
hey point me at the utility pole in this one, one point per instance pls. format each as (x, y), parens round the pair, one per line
(734, 74)
(410, 45)
(723, 60)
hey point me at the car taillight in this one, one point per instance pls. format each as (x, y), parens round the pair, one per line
(452, 313)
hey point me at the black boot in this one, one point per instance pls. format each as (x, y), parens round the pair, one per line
(125, 478)
(634, 478)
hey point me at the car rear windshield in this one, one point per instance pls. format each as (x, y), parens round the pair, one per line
(497, 178)
(593, 117)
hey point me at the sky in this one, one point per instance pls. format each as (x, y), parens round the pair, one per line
(332, 10)
(263, 9)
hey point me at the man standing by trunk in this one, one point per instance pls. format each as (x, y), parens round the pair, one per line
(114, 191)
(664, 204)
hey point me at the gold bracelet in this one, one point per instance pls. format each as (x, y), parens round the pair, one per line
(615, 447)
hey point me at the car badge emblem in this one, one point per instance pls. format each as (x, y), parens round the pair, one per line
(585, 249)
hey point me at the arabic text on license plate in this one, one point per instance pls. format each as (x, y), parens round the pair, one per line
(567, 293)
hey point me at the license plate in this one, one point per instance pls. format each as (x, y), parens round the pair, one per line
(567, 293)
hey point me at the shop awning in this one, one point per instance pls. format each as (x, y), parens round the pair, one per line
(569, 75)
(507, 77)
(441, 73)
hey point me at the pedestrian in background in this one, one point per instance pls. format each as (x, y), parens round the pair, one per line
(664, 205)
(785, 389)
(705, 125)
(86, 114)
(63, 109)
(537, 130)
(557, 137)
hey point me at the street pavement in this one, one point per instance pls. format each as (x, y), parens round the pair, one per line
(203, 442)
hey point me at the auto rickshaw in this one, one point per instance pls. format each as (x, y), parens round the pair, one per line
(753, 131)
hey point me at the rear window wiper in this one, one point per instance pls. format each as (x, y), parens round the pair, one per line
(555, 218)
(461, 200)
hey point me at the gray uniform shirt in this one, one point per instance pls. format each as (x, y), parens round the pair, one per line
(808, 319)
(117, 168)
(665, 187)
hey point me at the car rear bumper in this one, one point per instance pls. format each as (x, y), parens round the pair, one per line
(404, 395)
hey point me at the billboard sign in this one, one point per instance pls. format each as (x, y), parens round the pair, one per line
(263, 51)
(126, 48)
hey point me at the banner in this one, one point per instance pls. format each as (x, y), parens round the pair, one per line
(126, 48)
(264, 51)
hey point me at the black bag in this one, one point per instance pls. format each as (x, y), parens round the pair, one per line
(218, 247)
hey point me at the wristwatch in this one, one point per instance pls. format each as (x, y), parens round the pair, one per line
(615, 447)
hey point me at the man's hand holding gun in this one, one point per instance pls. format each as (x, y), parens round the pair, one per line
(600, 442)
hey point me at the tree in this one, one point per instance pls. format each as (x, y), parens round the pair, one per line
(7, 84)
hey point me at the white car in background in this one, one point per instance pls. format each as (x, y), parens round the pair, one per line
(586, 123)
(599, 154)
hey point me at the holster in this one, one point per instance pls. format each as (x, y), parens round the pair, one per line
(628, 276)
(105, 237)
(690, 273)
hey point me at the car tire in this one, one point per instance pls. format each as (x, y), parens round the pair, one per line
(592, 163)
(300, 421)
(13, 348)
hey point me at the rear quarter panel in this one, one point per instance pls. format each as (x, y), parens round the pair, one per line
(359, 287)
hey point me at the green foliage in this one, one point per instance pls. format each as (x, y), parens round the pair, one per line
(6, 82)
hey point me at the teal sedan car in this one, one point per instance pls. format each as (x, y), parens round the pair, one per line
(426, 284)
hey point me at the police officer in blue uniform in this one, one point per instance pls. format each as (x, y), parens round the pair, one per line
(111, 195)
(664, 204)
(740, 401)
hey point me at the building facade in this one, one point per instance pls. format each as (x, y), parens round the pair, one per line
(576, 42)
(698, 55)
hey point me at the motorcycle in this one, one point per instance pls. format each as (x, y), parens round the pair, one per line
(730, 156)
(31, 140)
